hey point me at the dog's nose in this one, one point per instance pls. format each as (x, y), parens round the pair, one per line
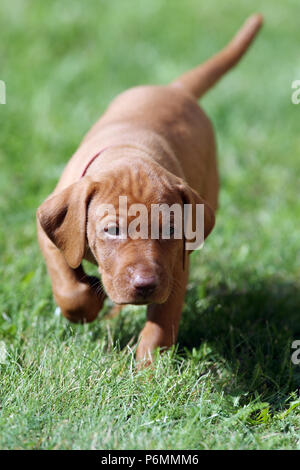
(144, 285)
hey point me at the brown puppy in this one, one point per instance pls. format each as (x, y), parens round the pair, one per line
(154, 145)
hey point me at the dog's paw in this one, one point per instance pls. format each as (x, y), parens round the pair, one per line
(82, 303)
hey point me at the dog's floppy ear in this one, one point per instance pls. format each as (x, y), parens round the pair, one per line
(191, 197)
(63, 218)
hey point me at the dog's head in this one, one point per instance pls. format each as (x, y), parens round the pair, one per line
(136, 245)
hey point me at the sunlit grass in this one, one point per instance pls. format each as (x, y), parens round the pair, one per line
(229, 383)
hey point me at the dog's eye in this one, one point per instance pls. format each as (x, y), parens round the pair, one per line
(112, 230)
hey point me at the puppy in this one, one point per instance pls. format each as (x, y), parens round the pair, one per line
(155, 146)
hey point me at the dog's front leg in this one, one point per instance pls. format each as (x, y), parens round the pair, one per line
(80, 297)
(162, 324)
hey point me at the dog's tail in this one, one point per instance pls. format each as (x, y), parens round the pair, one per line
(203, 77)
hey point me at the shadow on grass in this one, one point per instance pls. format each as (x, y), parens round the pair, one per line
(243, 335)
(249, 331)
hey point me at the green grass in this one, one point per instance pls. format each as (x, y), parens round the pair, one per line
(230, 382)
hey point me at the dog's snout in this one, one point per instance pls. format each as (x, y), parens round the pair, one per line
(144, 284)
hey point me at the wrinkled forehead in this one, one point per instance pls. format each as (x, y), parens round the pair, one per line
(136, 186)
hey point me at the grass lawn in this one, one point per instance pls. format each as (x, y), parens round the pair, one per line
(230, 382)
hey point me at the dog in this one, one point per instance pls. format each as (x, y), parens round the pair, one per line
(154, 145)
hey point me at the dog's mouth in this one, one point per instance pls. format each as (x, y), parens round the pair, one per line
(135, 302)
(138, 300)
(130, 296)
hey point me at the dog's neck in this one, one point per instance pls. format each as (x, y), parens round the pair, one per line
(112, 155)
